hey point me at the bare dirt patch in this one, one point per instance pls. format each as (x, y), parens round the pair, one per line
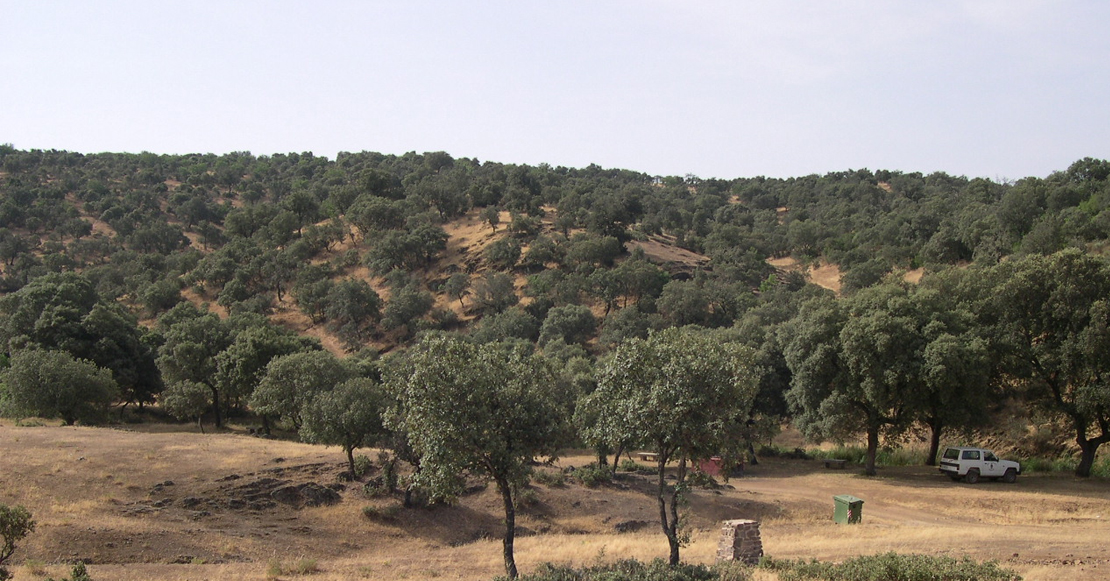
(825, 275)
(662, 251)
(787, 263)
(914, 276)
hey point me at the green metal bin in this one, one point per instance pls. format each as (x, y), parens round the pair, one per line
(847, 509)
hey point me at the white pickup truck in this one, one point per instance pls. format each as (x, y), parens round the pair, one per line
(971, 464)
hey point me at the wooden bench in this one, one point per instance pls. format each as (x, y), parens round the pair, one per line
(649, 456)
(834, 463)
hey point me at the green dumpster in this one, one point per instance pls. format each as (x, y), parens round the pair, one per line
(847, 509)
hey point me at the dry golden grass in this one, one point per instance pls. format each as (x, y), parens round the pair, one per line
(92, 493)
(825, 275)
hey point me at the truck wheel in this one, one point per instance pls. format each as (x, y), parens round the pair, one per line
(1010, 476)
(972, 476)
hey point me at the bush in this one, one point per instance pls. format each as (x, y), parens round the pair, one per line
(883, 457)
(363, 464)
(525, 497)
(78, 573)
(628, 465)
(15, 523)
(380, 514)
(901, 456)
(1060, 464)
(549, 478)
(593, 474)
(701, 480)
(890, 567)
(632, 570)
(852, 454)
(795, 454)
(276, 568)
(53, 384)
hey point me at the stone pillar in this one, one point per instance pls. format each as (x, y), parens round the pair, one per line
(740, 542)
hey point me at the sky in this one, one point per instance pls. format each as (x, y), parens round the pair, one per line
(1001, 89)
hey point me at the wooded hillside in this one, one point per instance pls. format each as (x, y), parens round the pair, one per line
(187, 275)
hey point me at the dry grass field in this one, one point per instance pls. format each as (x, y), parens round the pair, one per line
(160, 504)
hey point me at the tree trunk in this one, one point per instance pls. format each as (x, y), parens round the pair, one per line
(934, 442)
(510, 526)
(351, 462)
(662, 487)
(1088, 447)
(668, 515)
(872, 449)
(672, 537)
(216, 406)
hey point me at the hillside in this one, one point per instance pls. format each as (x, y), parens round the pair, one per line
(275, 294)
(361, 254)
(236, 233)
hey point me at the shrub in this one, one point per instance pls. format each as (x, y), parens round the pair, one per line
(632, 570)
(1101, 468)
(549, 477)
(1059, 464)
(593, 474)
(901, 456)
(35, 567)
(853, 454)
(363, 464)
(78, 573)
(701, 480)
(1037, 464)
(15, 523)
(380, 514)
(629, 465)
(276, 568)
(795, 454)
(525, 497)
(890, 567)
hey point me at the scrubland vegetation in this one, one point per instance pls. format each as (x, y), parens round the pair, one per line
(470, 317)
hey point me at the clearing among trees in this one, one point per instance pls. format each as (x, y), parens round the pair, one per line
(175, 506)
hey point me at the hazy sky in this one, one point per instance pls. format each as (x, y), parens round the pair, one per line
(724, 88)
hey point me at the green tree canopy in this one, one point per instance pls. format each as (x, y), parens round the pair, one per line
(15, 524)
(291, 381)
(682, 392)
(239, 367)
(186, 400)
(193, 342)
(481, 409)
(52, 384)
(1054, 325)
(349, 416)
(63, 312)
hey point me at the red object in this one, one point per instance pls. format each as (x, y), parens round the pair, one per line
(711, 466)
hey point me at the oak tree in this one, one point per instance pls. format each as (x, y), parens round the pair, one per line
(682, 392)
(480, 409)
